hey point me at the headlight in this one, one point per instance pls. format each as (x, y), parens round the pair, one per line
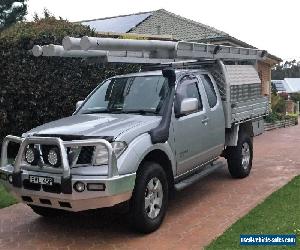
(31, 155)
(101, 153)
(54, 157)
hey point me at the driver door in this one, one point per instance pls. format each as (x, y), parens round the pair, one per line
(192, 130)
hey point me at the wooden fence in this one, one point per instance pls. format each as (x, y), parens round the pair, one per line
(281, 124)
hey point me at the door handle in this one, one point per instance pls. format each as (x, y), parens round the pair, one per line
(205, 120)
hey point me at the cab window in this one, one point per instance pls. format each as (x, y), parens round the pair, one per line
(209, 90)
(188, 88)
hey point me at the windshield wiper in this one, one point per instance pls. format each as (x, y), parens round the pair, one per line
(99, 111)
(96, 111)
(121, 111)
(140, 111)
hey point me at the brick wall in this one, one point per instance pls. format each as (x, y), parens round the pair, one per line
(289, 106)
(264, 71)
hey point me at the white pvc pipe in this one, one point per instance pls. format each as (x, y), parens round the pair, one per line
(84, 54)
(58, 50)
(71, 43)
(52, 50)
(96, 43)
(46, 51)
(37, 50)
(55, 50)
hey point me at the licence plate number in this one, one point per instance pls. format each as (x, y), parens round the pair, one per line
(41, 180)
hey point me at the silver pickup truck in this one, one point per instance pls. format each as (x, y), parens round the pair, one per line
(138, 137)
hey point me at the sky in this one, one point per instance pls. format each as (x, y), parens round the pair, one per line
(272, 25)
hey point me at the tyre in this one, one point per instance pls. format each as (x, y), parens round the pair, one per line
(239, 158)
(47, 211)
(150, 198)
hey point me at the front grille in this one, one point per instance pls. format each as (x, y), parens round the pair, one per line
(86, 155)
(65, 204)
(27, 199)
(31, 186)
(45, 151)
(56, 188)
(45, 201)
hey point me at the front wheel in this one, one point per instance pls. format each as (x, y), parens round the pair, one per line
(239, 158)
(150, 198)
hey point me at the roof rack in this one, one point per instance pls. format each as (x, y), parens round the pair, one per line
(188, 64)
(111, 50)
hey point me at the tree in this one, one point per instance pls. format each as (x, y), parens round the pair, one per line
(34, 90)
(288, 69)
(12, 11)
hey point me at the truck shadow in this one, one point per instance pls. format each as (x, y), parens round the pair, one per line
(113, 224)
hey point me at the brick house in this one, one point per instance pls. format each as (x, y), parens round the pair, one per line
(161, 24)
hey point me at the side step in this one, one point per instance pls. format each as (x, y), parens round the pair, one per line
(196, 177)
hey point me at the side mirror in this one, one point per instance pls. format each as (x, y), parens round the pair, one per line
(78, 104)
(188, 105)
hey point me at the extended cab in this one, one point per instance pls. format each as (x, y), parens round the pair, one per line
(138, 137)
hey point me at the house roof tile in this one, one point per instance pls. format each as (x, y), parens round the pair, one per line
(165, 22)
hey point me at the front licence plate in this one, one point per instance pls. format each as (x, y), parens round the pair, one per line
(41, 180)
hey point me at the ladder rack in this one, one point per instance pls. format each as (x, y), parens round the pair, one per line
(111, 50)
(188, 64)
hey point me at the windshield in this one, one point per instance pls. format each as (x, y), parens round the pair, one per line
(140, 94)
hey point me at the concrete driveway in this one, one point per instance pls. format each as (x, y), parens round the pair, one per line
(195, 217)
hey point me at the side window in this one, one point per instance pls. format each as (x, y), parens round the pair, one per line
(210, 90)
(188, 88)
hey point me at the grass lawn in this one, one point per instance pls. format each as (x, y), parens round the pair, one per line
(278, 214)
(5, 198)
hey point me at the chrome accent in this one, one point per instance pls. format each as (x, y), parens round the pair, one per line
(112, 159)
(117, 189)
(75, 156)
(80, 204)
(62, 145)
(41, 153)
(153, 197)
(195, 169)
(245, 155)
(5, 142)
(189, 180)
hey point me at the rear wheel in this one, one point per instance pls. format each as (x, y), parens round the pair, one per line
(47, 211)
(239, 158)
(150, 198)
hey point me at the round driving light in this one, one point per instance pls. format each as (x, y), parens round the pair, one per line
(79, 186)
(10, 179)
(31, 156)
(53, 157)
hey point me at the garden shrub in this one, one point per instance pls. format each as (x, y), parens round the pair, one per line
(272, 117)
(277, 104)
(33, 90)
